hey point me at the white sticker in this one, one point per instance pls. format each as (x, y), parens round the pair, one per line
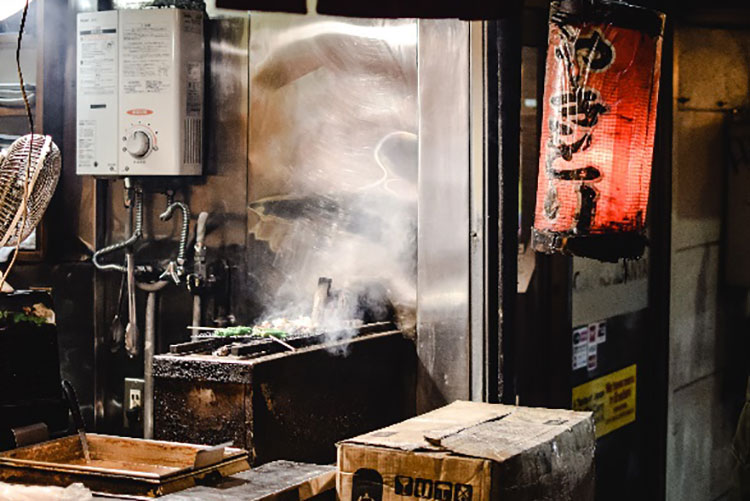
(601, 335)
(97, 75)
(580, 347)
(86, 143)
(593, 328)
(591, 361)
(146, 58)
(592, 358)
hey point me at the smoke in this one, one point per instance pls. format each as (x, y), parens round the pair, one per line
(363, 240)
(333, 168)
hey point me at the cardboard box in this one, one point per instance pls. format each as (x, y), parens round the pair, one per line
(469, 451)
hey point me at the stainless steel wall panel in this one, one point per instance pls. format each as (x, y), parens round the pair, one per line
(443, 311)
(477, 208)
(333, 158)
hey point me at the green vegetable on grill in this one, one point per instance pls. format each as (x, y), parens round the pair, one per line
(234, 331)
(241, 330)
(269, 332)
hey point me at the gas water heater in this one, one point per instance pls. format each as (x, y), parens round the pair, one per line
(140, 92)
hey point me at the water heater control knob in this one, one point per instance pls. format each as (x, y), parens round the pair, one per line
(139, 143)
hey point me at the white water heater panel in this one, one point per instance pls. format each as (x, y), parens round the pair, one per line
(98, 90)
(161, 92)
(157, 127)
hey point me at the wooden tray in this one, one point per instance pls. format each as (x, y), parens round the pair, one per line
(120, 465)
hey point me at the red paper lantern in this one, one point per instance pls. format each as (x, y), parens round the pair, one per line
(598, 125)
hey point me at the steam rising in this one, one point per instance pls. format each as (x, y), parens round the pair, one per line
(333, 167)
(364, 241)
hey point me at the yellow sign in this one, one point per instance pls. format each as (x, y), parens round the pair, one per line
(610, 397)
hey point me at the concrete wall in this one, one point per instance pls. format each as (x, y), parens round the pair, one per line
(711, 79)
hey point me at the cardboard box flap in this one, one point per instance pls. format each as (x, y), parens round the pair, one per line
(521, 429)
(470, 451)
(426, 432)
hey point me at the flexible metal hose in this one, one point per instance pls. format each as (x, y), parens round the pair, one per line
(185, 232)
(137, 234)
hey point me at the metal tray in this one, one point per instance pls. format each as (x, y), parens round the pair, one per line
(120, 465)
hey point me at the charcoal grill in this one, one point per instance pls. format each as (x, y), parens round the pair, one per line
(283, 404)
(257, 346)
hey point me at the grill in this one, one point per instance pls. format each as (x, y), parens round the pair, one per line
(254, 346)
(280, 403)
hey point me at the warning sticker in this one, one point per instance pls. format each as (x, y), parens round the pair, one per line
(86, 143)
(611, 398)
(146, 58)
(580, 347)
(97, 75)
(593, 347)
(586, 341)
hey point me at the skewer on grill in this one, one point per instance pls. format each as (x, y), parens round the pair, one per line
(195, 328)
(272, 337)
(283, 343)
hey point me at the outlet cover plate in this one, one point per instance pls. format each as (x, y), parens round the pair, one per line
(133, 395)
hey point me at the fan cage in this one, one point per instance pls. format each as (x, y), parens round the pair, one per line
(43, 171)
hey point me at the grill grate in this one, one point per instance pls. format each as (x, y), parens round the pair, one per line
(253, 346)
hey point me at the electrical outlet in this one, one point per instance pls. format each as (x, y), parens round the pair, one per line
(135, 398)
(132, 398)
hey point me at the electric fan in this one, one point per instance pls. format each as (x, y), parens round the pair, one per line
(32, 165)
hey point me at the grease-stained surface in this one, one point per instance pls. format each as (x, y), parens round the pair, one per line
(118, 465)
(292, 406)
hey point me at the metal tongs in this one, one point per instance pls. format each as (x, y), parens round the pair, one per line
(132, 336)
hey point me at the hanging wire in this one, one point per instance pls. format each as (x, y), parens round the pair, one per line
(25, 201)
